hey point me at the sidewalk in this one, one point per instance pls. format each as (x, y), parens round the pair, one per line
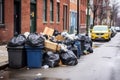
(3, 56)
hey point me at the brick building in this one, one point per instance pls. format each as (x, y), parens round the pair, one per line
(83, 6)
(73, 15)
(32, 16)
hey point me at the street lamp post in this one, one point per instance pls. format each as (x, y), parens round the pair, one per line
(78, 16)
(87, 21)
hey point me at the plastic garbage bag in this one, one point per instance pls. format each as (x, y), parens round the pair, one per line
(87, 39)
(26, 34)
(35, 40)
(68, 58)
(56, 32)
(68, 42)
(51, 59)
(79, 36)
(17, 40)
(88, 48)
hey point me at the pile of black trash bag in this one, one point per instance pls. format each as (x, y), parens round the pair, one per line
(33, 40)
(86, 43)
(52, 59)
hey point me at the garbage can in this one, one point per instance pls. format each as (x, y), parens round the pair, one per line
(16, 57)
(75, 51)
(34, 56)
(78, 44)
(82, 46)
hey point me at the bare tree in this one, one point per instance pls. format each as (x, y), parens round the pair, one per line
(114, 12)
(103, 11)
(99, 9)
(94, 6)
(118, 21)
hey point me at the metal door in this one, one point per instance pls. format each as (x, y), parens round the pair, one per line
(32, 18)
(17, 16)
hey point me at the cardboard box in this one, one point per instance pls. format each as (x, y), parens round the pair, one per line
(51, 45)
(48, 31)
(59, 38)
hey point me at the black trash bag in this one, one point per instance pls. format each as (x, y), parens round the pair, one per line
(81, 37)
(46, 36)
(88, 40)
(52, 39)
(68, 42)
(17, 40)
(56, 32)
(88, 48)
(51, 59)
(76, 52)
(68, 58)
(35, 40)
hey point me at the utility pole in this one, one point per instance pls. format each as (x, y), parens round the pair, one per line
(78, 16)
(87, 21)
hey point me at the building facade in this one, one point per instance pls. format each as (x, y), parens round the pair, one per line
(32, 16)
(73, 16)
(83, 7)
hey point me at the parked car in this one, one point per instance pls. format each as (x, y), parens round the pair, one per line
(113, 31)
(101, 32)
(117, 29)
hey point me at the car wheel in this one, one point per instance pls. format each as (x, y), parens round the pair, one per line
(109, 39)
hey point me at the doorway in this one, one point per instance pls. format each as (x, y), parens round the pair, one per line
(32, 18)
(17, 16)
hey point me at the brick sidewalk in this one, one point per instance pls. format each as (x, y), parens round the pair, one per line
(3, 55)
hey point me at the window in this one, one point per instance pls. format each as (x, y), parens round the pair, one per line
(45, 10)
(58, 12)
(65, 17)
(51, 10)
(1, 11)
(32, 1)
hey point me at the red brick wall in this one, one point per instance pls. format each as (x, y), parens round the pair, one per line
(54, 25)
(83, 5)
(25, 16)
(7, 31)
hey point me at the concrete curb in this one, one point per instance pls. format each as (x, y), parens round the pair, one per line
(3, 57)
(3, 65)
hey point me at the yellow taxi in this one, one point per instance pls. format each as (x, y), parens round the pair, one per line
(101, 32)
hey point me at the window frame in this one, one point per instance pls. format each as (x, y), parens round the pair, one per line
(45, 10)
(58, 12)
(2, 12)
(51, 10)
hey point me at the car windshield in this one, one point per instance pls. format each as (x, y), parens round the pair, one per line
(98, 28)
